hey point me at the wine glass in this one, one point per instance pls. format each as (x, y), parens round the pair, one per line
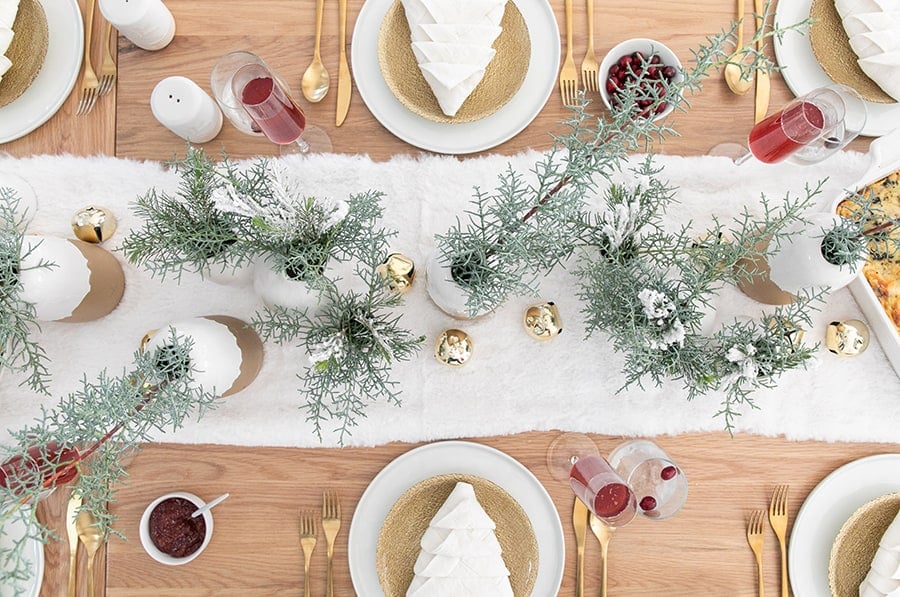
(806, 131)
(573, 457)
(659, 484)
(256, 101)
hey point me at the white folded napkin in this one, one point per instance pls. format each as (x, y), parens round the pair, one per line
(452, 41)
(6, 37)
(864, 22)
(460, 554)
(883, 578)
(872, 43)
(884, 69)
(5, 63)
(848, 7)
(8, 10)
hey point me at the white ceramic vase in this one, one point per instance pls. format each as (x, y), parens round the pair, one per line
(226, 353)
(799, 264)
(27, 205)
(277, 289)
(84, 282)
(445, 292)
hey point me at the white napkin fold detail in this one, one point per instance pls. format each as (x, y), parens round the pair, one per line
(6, 37)
(872, 43)
(883, 578)
(5, 64)
(8, 10)
(456, 34)
(848, 7)
(884, 69)
(455, 587)
(467, 54)
(464, 12)
(865, 22)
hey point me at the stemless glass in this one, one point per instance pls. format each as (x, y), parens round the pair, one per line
(603, 491)
(659, 484)
(806, 131)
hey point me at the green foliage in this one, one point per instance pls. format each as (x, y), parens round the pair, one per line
(864, 226)
(18, 352)
(89, 432)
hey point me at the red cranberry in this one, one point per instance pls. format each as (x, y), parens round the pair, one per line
(638, 57)
(669, 72)
(624, 61)
(611, 85)
(668, 473)
(653, 72)
(637, 72)
(655, 59)
(662, 106)
(648, 502)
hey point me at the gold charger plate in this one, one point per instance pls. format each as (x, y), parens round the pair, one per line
(502, 77)
(856, 544)
(831, 46)
(27, 50)
(398, 541)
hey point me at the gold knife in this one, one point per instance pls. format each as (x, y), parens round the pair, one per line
(344, 81)
(761, 102)
(72, 532)
(579, 521)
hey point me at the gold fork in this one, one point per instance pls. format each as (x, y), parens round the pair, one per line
(308, 543)
(331, 524)
(778, 519)
(755, 539)
(590, 66)
(568, 76)
(108, 70)
(89, 80)
(604, 533)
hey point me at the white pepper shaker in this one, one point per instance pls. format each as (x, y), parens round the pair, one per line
(148, 24)
(184, 108)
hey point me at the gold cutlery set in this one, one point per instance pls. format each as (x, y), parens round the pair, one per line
(603, 532)
(91, 86)
(331, 524)
(568, 76)
(778, 517)
(81, 525)
(316, 81)
(738, 81)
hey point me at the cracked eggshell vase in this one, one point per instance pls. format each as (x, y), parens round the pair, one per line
(277, 289)
(444, 292)
(798, 264)
(84, 283)
(226, 353)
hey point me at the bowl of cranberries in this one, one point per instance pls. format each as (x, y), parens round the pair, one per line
(170, 534)
(646, 66)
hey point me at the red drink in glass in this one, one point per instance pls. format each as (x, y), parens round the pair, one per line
(604, 492)
(784, 132)
(272, 110)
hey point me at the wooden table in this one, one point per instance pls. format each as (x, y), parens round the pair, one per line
(255, 550)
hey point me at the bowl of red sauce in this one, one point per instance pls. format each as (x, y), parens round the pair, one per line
(168, 532)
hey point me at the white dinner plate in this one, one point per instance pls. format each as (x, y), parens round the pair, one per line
(451, 457)
(826, 509)
(468, 137)
(53, 83)
(802, 71)
(33, 551)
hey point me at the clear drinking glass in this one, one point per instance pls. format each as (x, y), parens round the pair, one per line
(220, 83)
(659, 484)
(603, 491)
(806, 131)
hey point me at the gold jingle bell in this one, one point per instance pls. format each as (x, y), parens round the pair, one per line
(542, 321)
(93, 224)
(453, 348)
(398, 272)
(847, 338)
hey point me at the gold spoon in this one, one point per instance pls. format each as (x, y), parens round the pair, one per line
(315, 80)
(733, 71)
(604, 533)
(92, 538)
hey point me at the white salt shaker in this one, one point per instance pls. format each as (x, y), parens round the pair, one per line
(184, 108)
(148, 24)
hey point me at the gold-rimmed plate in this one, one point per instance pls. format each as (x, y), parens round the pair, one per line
(26, 52)
(453, 458)
(502, 77)
(398, 541)
(856, 544)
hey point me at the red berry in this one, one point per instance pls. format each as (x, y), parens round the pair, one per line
(614, 70)
(648, 502)
(644, 103)
(662, 106)
(637, 72)
(655, 59)
(653, 72)
(638, 57)
(624, 61)
(669, 72)
(668, 473)
(611, 85)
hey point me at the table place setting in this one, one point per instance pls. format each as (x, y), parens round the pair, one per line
(284, 322)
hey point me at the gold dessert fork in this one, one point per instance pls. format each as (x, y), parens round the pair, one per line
(331, 524)
(590, 66)
(755, 539)
(568, 76)
(604, 533)
(778, 519)
(308, 543)
(108, 70)
(89, 80)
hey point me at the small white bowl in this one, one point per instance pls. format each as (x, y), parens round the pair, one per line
(147, 542)
(648, 47)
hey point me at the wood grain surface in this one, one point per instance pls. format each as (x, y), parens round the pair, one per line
(255, 551)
